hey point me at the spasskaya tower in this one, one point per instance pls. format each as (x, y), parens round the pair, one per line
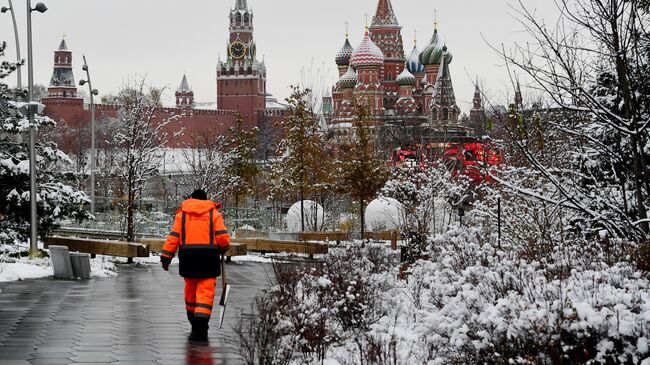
(241, 78)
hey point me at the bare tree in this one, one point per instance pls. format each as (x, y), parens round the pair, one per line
(208, 163)
(141, 138)
(591, 66)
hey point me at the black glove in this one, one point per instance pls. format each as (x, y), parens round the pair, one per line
(165, 262)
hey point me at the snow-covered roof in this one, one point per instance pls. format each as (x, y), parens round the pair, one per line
(273, 103)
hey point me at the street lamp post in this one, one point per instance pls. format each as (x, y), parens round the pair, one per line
(19, 82)
(33, 243)
(93, 161)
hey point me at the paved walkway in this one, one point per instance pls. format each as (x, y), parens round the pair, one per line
(136, 318)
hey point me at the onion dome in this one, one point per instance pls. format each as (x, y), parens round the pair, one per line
(406, 78)
(432, 55)
(348, 80)
(367, 54)
(413, 62)
(343, 57)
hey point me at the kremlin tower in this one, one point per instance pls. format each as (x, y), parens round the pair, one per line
(184, 95)
(241, 78)
(62, 83)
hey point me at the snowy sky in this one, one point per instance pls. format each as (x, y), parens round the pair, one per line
(162, 39)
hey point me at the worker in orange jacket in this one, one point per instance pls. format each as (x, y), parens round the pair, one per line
(202, 236)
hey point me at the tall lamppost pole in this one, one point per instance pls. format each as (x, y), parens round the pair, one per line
(93, 92)
(33, 243)
(19, 82)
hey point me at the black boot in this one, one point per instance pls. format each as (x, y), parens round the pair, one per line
(190, 317)
(199, 329)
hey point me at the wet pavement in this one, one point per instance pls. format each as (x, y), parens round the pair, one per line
(137, 318)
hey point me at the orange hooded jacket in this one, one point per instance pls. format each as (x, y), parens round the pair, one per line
(200, 237)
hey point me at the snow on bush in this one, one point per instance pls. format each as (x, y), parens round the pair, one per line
(465, 302)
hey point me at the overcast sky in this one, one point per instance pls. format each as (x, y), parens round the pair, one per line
(162, 39)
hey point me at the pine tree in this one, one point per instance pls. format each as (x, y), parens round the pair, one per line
(362, 173)
(56, 200)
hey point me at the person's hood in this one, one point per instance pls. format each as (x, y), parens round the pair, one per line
(197, 207)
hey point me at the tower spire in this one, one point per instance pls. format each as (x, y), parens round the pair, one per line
(241, 5)
(184, 94)
(385, 16)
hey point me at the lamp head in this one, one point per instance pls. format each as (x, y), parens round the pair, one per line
(84, 67)
(82, 82)
(95, 92)
(5, 9)
(40, 7)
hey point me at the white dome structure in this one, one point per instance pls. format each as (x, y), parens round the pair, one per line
(313, 213)
(384, 214)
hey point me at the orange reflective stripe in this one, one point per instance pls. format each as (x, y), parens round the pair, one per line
(168, 253)
(183, 235)
(201, 305)
(211, 227)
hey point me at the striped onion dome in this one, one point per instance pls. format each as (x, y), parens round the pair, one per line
(367, 54)
(406, 78)
(349, 79)
(413, 63)
(343, 57)
(432, 55)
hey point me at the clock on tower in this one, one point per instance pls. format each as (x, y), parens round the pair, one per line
(237, 50)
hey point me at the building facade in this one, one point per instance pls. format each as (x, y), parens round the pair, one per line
(400, 90)
(240, 82)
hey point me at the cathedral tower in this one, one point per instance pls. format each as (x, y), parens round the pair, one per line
(62, 83)
(443, 110)
(241, 78)
(386, 33)
(367, 60)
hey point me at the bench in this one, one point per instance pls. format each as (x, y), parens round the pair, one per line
(391, 236)
(98, 247)
(323, 236)
(265, 245)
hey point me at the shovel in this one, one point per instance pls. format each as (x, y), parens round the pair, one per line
(225, 288)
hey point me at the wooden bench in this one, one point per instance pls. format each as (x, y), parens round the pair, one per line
(247, 233)
(264, 245)
(391, 236)
(323, 236)
(156, 245)
(98, 247)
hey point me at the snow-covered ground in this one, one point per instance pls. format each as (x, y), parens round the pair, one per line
(13, 269)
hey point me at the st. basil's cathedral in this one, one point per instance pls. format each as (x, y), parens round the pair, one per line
(414, 90)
